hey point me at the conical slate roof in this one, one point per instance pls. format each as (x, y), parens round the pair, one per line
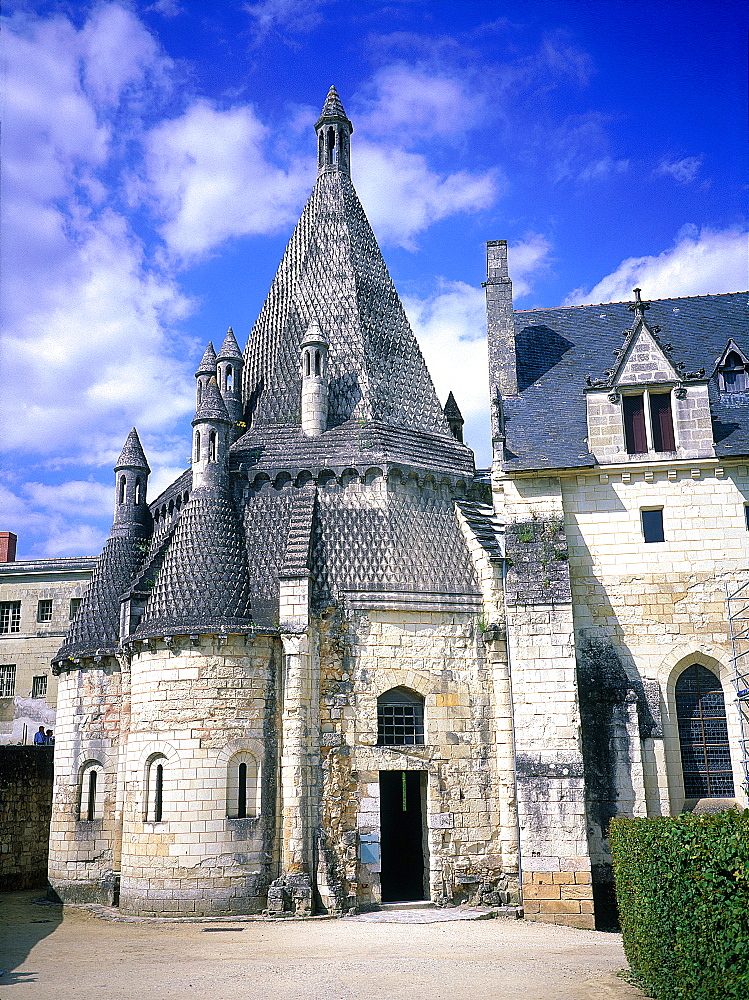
(452, 410)
(230, 348)
(132, 455)
(333, 108)
(203, 583)
(212, 405)
(96, 627)
(333, 271)
(207, 365)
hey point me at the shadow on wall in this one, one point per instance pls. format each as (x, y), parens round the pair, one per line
(538, 350)
(26, 918)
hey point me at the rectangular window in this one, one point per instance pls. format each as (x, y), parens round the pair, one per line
(662, 421)
(652, 525)
(746, 515)
(634, 424)
(39, 687)
(44, 611)
(7, 680)
(10, 616)
(400, 725)
(75, 603)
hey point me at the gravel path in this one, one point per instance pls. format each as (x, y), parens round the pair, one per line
(48, 955)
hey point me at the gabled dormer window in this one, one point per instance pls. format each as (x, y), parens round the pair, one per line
(648, 422)
(732, 374)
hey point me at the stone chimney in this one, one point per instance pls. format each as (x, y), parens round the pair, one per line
(8, 546)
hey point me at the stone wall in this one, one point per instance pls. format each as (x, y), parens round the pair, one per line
(443, 658)
(26, 775)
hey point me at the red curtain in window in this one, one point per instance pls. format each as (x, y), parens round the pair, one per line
(634, 425)
(663, 424)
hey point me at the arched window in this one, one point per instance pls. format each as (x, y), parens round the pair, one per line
(212, 446)
(317, 362)
(242, 786)
(703, 735)
(138, 488)
(91, 791)
(123, 485)
(306, 362)
(331, 145)
(155, 797)
(400, 718)
(197, 446)
(229, 379)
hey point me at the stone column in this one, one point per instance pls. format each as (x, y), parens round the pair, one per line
(496, 648)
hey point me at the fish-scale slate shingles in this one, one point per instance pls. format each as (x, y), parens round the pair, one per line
(400, 541)
(96, 627)
(546, 422)
(333, 272)
(203, 583)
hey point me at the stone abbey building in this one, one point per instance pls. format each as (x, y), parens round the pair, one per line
(334, 665)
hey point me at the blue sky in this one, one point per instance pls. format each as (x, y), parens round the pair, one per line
(157, 155)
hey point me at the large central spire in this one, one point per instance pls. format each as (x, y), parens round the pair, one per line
(333, 274)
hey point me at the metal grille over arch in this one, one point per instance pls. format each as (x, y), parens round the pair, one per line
(400, 718)
(703, 735)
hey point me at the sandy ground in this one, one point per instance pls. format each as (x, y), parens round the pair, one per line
(46, 954)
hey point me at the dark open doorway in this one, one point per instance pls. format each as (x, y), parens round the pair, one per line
(402, 835)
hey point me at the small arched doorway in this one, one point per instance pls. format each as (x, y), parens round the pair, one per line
(703, 735)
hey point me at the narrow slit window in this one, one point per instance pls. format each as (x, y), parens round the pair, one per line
(197, 446)
(123, 484)
(138, 488)
(243, 786)
(212, 446)
(158, 797)
(306, 363)
(91, 800)
(652, 525)
(662, 421)
(229, 378)
(635, 435)
(242, 792)
(317, 362)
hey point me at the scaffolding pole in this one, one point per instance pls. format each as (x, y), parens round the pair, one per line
(737, 606)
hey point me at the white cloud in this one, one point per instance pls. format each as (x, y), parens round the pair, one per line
(704, 262)
(603, 168)
(284, 16)
(451, 329)
(403, 196)
(524, 260)
(56, 535)
(76, 497)
(683, 171)
(208, 176)
(410, 103)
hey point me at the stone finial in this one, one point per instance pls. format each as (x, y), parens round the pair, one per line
(208, 365)
(333, 136)
(638, 306)
(314, 358)
(230, 348)
(132, 455)
(454, 418)
(211, 406)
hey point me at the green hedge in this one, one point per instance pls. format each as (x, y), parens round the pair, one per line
(682, 886)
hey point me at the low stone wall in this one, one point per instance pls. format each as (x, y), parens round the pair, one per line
(26, 774)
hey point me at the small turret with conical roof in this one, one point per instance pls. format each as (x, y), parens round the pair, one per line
(454, 418)
(333, 136)
(211, 439)
(229, 364)
(206, 370)
(132, 472)
(314, 381)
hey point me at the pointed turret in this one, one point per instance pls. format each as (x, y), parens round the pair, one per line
(454, 418)
(131, 471)
(211, 439)
(333, 136)
(229, 364)
(206, 370)
(95, 630)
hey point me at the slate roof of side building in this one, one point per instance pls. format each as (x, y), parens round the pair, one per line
(545, 424)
